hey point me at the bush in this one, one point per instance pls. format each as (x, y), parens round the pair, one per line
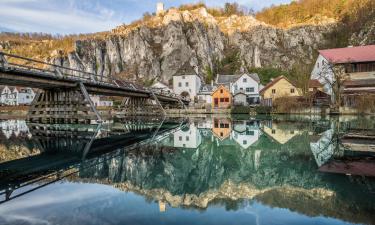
(241, 110)
(263, 109)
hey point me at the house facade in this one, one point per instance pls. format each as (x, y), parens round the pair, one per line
(221, 98)
(160, 86)
(277, 88)
(359, 67)
(248, 84)
(205, 94)
(16, 95)
(187, 85)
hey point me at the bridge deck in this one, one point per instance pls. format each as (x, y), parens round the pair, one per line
(35, 77)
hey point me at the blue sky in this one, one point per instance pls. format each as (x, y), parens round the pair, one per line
(87, 16)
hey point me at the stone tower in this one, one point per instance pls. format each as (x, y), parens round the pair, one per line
(159, 8)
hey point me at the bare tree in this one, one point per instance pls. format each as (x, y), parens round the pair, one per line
(335, 76)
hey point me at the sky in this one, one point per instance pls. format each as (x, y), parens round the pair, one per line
(88, 16)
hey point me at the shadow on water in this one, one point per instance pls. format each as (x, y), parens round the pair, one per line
(311, 165)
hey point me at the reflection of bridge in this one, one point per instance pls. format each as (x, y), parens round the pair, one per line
(68, 147)
(65, 97)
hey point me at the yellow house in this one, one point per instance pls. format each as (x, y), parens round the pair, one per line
(279, 87)
(281, 134)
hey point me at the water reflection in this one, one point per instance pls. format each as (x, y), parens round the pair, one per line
(318, 169)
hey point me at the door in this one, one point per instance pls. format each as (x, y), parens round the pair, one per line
(216, 102)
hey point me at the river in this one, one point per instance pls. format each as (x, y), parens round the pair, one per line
(198, 170)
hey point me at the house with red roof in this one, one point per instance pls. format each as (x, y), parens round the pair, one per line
(359, 65)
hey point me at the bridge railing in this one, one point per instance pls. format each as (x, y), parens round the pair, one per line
(15, 62)
(10, 61)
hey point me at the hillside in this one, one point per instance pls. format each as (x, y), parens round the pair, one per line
(208, 40)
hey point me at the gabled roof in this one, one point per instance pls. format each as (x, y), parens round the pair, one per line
(350, 54)
(315, 83)
(218, 87)
(207, 89)
(225, 79)
(274, 81)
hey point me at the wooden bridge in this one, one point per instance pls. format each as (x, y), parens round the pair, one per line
(64, 95)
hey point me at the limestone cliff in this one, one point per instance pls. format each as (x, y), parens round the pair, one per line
(156, 48)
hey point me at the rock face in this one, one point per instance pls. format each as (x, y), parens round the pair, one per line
(158, 48)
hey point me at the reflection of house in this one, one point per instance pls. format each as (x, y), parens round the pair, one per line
(221, 97)
(222, 128)
(189, 137)
(245, 134)
(280, 133)
(14, 127)
(322, 146)
(277, 88)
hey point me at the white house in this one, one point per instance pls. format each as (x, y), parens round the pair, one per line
(187, 138)
(248, 84)
(187, 84)
(159, 86)
(205, 93)
(359, 64)
(246, 133)
(16, 95)
(25, 96)
(101, 101)
(5, 93)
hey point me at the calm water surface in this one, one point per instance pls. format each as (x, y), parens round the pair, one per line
(212, 170)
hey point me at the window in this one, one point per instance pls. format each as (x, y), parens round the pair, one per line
(187, 138)
(180, 138)
(226, 99)
(183, 77)
(273, 131)
(222, 125)
(221, 99)
(221, 134)
(226, 125)
(273, 91)
(244, 142)
(292, 132)
(292, 90)
(179, 84)
(221, 91)
(187, 84)
(317, 65)
(241, 89)
(244, 80)
(250, 89)
(250, 132)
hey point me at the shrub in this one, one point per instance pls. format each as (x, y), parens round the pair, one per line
(241, 110)
(263, 109)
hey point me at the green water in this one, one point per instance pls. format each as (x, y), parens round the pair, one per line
(211, 170)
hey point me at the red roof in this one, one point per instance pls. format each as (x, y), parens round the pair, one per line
(350, 54)
(315, 83)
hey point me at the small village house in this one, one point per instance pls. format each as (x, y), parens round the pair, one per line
(187, 83)
(240, 99)
(16, 95)
(101, 101)
(205, 94)
(248, 84)
(315, 85)
(359, 66)
(161, 87)
(221, 98)
(222, 128)
(277, 88)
